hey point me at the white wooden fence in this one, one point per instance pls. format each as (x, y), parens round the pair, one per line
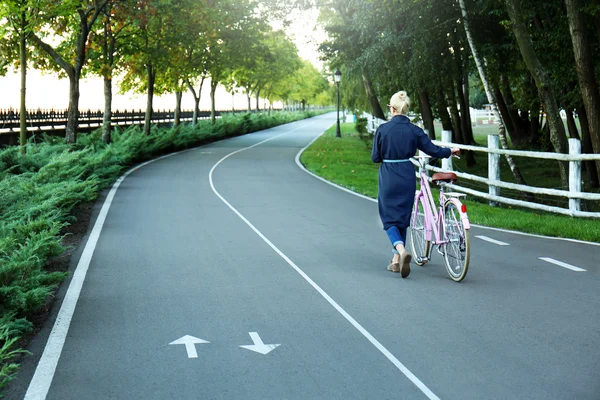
(574, 194)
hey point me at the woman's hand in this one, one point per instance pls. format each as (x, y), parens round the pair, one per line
(455, 151)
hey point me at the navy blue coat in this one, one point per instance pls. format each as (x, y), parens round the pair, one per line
(398, 139)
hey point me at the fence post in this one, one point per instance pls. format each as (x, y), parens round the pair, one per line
(493, 166)
(447, 162)
(574, 174)
(425, 163)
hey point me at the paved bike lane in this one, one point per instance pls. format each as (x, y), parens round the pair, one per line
(509, 330)
(173, 260)
(179, 262)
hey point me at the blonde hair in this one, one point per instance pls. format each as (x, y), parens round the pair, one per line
(400, 102)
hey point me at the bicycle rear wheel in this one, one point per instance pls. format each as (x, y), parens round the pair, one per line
(418, 241)
(457, 250)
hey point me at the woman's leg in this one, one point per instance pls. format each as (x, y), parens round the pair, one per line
(401, 256)
(397, 240)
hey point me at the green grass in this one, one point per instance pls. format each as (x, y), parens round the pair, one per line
(536, 172)
(347, 162)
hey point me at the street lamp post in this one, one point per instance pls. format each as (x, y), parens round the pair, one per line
(337, 76)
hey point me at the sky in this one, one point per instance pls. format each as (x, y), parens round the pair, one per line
(46, 91)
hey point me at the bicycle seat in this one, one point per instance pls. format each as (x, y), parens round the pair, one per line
(444, 177)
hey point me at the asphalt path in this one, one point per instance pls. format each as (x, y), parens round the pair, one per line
(235, 244)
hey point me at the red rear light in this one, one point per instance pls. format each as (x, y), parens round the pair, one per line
(463, 208)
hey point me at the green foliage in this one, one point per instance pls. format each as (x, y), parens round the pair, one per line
(7, 369)
(361, 125)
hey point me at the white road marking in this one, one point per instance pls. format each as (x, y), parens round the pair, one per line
(475, 225)
(258, 345)
(325, 180)
(562, 264)
(190, 344)
(44, 372)
(416, 381)
(487, 239)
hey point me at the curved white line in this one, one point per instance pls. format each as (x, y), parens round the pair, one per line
(335, 305)
(475, 225)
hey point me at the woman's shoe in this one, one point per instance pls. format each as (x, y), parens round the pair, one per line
(405, 264)
(394, 267)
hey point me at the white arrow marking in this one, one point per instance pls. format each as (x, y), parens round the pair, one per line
(190, 344)
(487, 239)
(258, 345)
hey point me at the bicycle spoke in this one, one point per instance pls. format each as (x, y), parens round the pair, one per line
(420, 245)
(456, 249)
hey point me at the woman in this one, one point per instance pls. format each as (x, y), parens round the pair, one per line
(395, 142)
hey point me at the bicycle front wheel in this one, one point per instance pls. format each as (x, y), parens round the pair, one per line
(457, 249)
(418, 240)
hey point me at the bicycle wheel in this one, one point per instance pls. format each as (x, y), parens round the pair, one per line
(457, 250)
(418, 241)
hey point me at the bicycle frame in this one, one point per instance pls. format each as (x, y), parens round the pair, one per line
(434, 216)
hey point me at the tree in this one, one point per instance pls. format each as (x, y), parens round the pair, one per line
(235, 24)
(543, 83)
(72, 21)
(20, 17)
(146, 61)
(107, 43)
(490, 95)
(585, 71)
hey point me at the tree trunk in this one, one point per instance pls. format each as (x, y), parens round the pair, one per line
(467, 113)
(257, 100)
(505, 113)
(520, 133)
(534, 130)
(213, 111)
(177, 116)
(543, 82)
(106, 120)
(80, 57)
(375, 106)
(426, 113)
(571, 125)
(465, 123)
(585, 71)
(249, 101)
(457, 135)
(490, 96)
(196, 100)
(73, 111)
(148, 116)
(108, 45)
(586, 148)
(23, 106)
(597, 20)
(443, 111)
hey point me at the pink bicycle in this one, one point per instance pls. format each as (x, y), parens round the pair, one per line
(446, 227)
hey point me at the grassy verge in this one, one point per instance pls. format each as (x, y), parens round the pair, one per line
(39, 192)
(347, 162)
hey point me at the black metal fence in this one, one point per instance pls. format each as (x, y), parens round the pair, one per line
(56, 120)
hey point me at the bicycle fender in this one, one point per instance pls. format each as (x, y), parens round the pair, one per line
(463, 215)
